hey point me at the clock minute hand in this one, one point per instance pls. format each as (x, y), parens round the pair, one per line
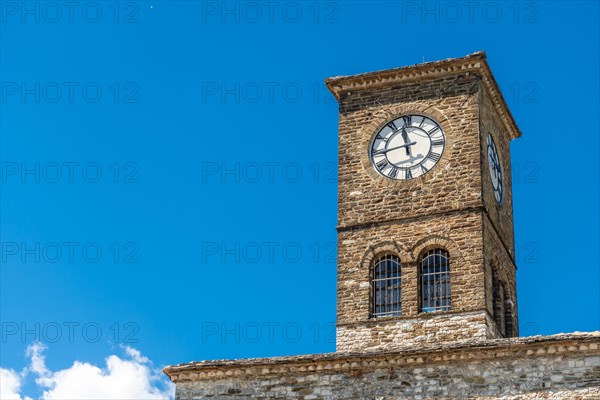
(383, 151)
(405, 138)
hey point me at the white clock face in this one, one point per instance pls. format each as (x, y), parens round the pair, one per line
(407, 147)
(495, 170)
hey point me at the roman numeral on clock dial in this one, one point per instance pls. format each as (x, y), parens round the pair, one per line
(434, 156)
(382, 164)
(434, 130)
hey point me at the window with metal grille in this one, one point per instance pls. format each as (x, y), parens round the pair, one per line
(435, 281)
(499, 307)
(386, 286)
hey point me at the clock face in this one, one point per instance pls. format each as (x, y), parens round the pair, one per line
(495, 169)
(407, 147)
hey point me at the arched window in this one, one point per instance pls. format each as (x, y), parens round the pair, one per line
(386, 286)
(435, 281)
(500, 307)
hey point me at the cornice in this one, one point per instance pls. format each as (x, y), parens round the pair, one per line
(412, 218)
(473, 63)
(587, 343)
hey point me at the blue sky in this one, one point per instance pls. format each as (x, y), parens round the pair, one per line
(180, 202)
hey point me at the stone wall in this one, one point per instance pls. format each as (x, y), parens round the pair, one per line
(501, 215)
(394, 333)
(454, 183)
(442, 208)
(460, 234)
(500, 269)
(499, 246)
(552, 367)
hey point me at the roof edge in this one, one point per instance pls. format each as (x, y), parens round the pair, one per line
(533, 345)
(474, 62)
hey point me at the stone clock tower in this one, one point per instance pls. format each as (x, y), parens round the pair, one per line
(425, 221)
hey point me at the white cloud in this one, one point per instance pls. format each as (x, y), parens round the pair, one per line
(10, 385)
(38, 362)
(131, 377)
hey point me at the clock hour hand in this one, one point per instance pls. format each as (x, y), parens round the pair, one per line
(383, 151)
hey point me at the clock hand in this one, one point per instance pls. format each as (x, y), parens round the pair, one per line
(405, 138)
(383, 151)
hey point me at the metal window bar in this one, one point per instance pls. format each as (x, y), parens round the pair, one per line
(435, 281)
(507, 316)
(387, 289)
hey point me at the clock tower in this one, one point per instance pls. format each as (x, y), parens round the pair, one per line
(426, 296)
(425, 224)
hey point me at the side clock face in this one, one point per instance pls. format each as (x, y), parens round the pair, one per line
(407, 147)
(495, 169)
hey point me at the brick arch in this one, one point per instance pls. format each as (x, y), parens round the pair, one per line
(495, 255)
(381, 248)
(433, 242)
(380, 118)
